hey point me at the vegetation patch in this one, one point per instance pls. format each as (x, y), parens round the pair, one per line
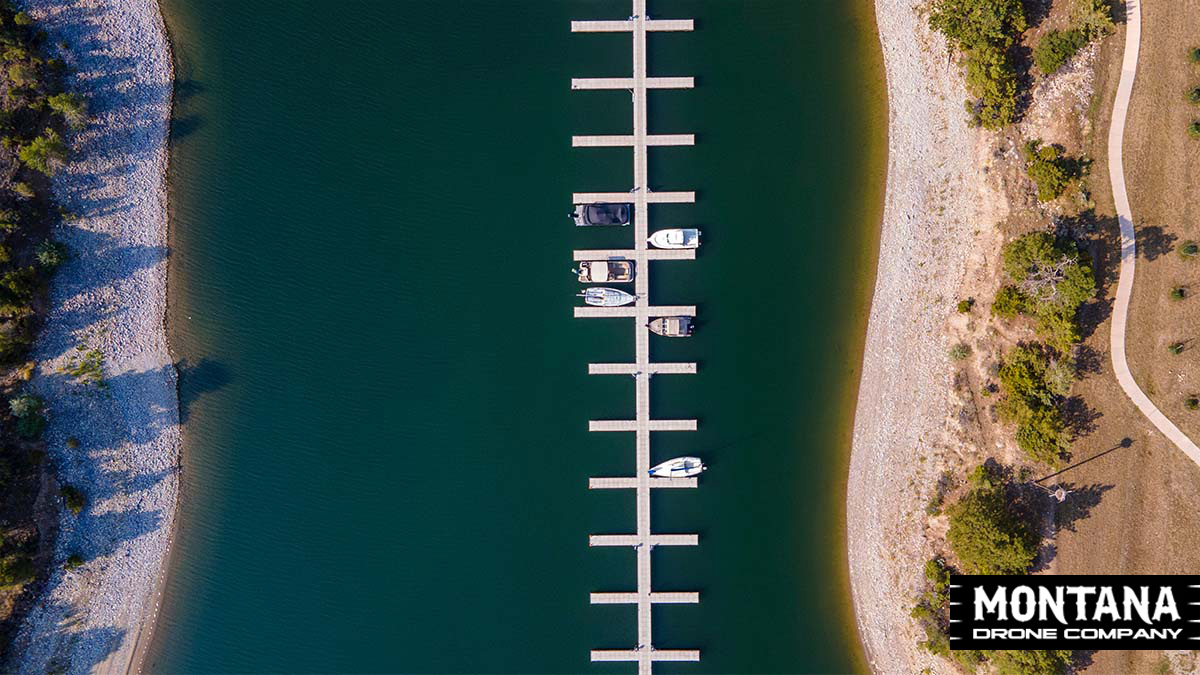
(1057, 47)
(1050, 280)
(1050, 170)
(984, 32)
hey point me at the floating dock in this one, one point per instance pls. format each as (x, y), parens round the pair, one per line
(643, 541)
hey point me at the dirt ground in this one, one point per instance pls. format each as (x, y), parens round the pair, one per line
(1135, 501)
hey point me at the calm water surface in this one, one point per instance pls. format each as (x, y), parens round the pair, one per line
(385, 394)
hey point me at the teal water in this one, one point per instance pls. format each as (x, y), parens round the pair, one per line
(385, 395)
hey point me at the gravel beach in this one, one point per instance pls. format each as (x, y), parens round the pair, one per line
(926, 241)
(111, 297)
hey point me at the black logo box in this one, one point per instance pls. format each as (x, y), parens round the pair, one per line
(968, 631)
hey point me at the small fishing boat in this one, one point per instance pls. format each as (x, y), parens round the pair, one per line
(601, 296)
(672, 326)
(678, 238)
(601, 271)
(586, 215)
(680, 467)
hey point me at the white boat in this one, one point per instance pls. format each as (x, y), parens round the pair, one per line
(601, 271)
(672, 326)
(679, 467)
(680, 238)
(602, 296)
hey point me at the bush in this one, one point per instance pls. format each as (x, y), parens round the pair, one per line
(1034, 385)
(984, 30)
(1050, 170)
(1010, 301)
(1189, 249)
(71, 106)
(72, 442)
(1095, 18)
(1194, 95)
(1175, 348)
(1192, 403)
(15, 570)
(17, 288)
(44, 153)
(23, 74)
(1030, 661)
(986, 534)
(51, 254)
(23, 189)
(1057, 47)
(28, 409)
(1194, 55)
(1178, 293)
(23, 19)
(1194, 130)
(960, 351)
(965, 306)
(73, 498)
(74, 560)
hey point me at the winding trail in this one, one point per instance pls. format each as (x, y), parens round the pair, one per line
(1116, 169)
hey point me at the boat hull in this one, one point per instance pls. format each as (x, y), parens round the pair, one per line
(607, 297)
(679, 467)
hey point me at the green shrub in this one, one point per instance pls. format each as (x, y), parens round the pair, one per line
(15, 570)
(17, 288)
(1050, 170)
(73, 498)
(72, 442)
(1194, 55)
(1194, 95)
(960, 351)
(986, 534)
(23, 189)
(44, 153)
(1057, 47)
(965, 306)
(28, 409)
(1095, 17)
(71, 106)
(1175, 348)
(1010, 301)
(1189, 249)
(1034, 385)
(1030, 661)
(1178, 293)
(1194, 130)
(51, 254)
(23, 19)
(1191, 403)
(74, 560)
(983, 31)
(23, 74)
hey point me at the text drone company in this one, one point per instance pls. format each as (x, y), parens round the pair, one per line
(1074, 612)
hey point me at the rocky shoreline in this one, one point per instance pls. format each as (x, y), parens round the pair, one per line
(926, 240)
(109, 297)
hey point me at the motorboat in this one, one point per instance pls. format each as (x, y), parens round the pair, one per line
(680, 467)
(602, 271)
(601, 296)
(602, 214)
(672, 326)
(677, 238)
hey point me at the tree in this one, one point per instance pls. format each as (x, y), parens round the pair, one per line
(1095, 18)
(71, 106)
(51, 254)
(1057, 47)
(73, 498)
(985, 533)
(1052, 279)
(1034, 383)
(16, 291)
(45, 152)
(23, 74)
(15, 570)
(1030, 661)
(1050, 170)
(975, 24)
(28, 408)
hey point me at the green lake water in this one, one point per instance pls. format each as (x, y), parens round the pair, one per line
(386, 398)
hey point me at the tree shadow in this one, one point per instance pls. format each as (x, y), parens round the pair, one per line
(1079, 416)
(1153, 241)
(1036, 11)
(198, 379)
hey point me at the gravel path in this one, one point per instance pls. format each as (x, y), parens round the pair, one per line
(110, 296)
(904, 395)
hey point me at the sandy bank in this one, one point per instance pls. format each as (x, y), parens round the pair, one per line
(904, 396)
(110, 296)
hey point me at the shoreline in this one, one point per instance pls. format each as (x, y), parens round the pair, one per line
(111, 296)
(904, 391)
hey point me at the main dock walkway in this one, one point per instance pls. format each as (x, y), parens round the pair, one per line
(643, 541)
